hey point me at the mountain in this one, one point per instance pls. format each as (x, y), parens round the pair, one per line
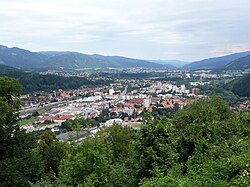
(33, 82)
(73, 60)
(20, 58)
(55, 53)
(129, 62)
(241, 63)
(241, 86)
(218, 62)
(173, 63)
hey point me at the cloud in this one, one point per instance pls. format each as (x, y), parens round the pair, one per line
(228, 49)
(167, 29)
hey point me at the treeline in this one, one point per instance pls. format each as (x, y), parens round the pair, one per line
(205, 144)
(33, 82)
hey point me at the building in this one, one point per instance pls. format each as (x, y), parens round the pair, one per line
(147, 102)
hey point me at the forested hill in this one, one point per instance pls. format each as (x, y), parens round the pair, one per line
(218, 62)
(241, 63)
(36, 82)
(21, 58)
(241, 86)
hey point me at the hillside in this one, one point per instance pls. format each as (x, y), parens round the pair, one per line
(78, 60)
(241, 63)
(218, 62)
(36, 82)
(20, 58)
(241, 86)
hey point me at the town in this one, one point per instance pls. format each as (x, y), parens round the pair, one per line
(125, 101)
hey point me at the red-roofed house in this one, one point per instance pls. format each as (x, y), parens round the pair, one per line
(137, 101)
(59, 118)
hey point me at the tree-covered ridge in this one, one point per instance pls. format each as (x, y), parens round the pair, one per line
(36, 82)
(241, 86)
(241, 63)
(21, 58)
(217, 62)
(205, 144)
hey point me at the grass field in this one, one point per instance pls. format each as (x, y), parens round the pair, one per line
(27, 121)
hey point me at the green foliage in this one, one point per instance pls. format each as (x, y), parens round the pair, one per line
(33, 82)
(52, 151)
(167, 112)
(18, 171)
(240, 64)
(9, 88)
(118, 139)
(45, 182)
(35, 114)
(212, 144)
(18, 162)
(89, 163)
(78, 124)
(174, 178)
(201, 122)
(153, 147)
(123, 174)
(205, 144)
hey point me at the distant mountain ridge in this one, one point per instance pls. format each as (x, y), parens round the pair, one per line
(24, 59)
(215, 63)
(20, 58)
(173, 63)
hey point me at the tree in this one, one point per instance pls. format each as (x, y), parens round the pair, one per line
(10, 88)
(212, 146)
(17, 159)
(52, 151)
(153, 147)
(118, 138)
(35, 113)
(202, 120)
(88, 165)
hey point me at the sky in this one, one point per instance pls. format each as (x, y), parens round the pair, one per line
(146, 29)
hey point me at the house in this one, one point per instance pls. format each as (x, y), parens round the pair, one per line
(137, 101)
(59, 118)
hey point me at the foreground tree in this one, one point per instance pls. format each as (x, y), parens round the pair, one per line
(88, 165)
(52, 152)
(19, 164)
(201, 122)
(153, 147)
(119, 139)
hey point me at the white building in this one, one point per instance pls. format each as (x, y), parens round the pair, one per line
(147, 102)
(111, 91)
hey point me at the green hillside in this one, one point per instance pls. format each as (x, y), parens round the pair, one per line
(217, 62)
(20, 58)
(241, 63)
(241, 86)
(36, 82)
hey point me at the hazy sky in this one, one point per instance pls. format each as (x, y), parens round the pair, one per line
(147, 29)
